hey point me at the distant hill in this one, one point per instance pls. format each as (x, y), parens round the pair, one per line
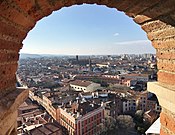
(26, 55)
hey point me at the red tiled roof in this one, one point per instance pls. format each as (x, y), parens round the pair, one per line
(47, 129)
(81, 83)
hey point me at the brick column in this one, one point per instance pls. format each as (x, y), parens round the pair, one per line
(162, 36)
(165, 87)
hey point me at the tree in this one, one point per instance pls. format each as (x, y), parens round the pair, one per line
(108, 124)
(125, 122)
(120, 126)
(141, 125)
(139, 116)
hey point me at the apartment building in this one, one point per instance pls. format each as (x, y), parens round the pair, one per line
(129, 105)
(82, 118)
(85, 86)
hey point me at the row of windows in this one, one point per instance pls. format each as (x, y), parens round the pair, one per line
(91, 126)
(91, 119)
(91, 131)
(67, 121)
(130, 108)
(71, 130)
(143, 98)
(78, 88)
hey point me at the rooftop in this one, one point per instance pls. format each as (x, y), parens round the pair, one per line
(48, 129)
(81, 83)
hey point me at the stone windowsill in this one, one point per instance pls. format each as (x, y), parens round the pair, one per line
(165, 94)
(10, 102)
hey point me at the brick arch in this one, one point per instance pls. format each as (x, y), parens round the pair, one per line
(18, 17)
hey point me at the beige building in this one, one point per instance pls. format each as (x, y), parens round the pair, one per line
(138, 77)
(85, 86)
(44, 101)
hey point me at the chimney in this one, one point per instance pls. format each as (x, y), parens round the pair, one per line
(93, 94)
(102, 104)
(97, 94)
(78, 114)
(81, 111)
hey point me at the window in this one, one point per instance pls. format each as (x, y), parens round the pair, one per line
(94, 117)
(89, 120)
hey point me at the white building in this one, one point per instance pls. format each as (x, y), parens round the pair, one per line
(129, 105)
(85, 86)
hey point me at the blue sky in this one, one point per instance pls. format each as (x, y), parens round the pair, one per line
(87, 30)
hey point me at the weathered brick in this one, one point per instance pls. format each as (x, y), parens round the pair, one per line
(162, 132)
(168, 54)
(154, 26)
(45, 7)
(12, 31)
(162, 34)
(24, 4)
(56, 4)
(8, 45)
(172, 15)
(142, 5)
(167, 18)
(166, 65)
(167, 44)
(126, 4)
(168, 122)
(141, 19)
(8, 70)
(163, 7)
(8, 56)
(6, 84)
(35, 12)
(166, 77)
(7, 11)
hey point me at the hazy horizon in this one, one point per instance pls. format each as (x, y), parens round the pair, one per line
(85, 54)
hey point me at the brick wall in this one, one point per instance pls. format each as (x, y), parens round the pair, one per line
(167, 120)
(17, 17)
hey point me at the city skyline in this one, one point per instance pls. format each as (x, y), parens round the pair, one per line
(83, 30)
